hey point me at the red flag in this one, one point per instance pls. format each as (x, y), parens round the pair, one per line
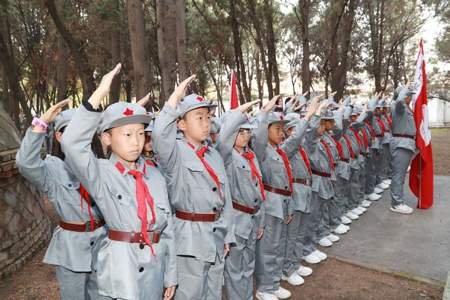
(421, 173)
(234, 102)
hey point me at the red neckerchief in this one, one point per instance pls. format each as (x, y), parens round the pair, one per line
(84, 195)
(143, 198)
(349, 145)
(250, 156)
(305, 159)
(365, 137)
(328, 152)
(201, 155)
(383, 128)
(358, 138)
(389, 118)
(287, 165)
(339, 148)
(371, 130)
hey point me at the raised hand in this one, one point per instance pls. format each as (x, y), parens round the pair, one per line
(180, 92)
(313, 107)
(104, 86)
(144, 100)
(271, 104)
(51, 113)
(247, 106)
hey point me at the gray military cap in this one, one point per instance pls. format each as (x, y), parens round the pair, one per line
(63, 119)
(327, 115)
(275, 117)
(356, 110)
(403, 92)
(123, 113)
(191, 102)
(292, 120)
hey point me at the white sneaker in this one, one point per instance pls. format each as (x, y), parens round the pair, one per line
(374, 197)
(312, 258)
(383, 186)
(282, 293)
(346, 220)
(362, 208)
(321, 255)
(324, 242)
(333, 238)
(352, 216)
(341, 229)
(387, 181)
(265, 296)
(402, 208)
(357, 211)
(294, 279)
(304, 271)
(377, 190)
(366, 203)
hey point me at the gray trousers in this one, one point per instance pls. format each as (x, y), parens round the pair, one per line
(308, 231)
(270, 255)
(401, 158)
(239, 269)
(386, 163)
(372, 168)
(316, 225)
(77, 285)
(356, 194)
(199, 279)
(363, 174)
(294, 245)
(340, 201)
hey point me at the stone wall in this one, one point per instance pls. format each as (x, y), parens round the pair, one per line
(24, 225)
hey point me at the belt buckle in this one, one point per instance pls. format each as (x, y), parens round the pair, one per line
(87, 226)
(308, 181)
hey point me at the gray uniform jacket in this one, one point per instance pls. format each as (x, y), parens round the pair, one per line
(302, 193)
(272, 165)
(69, 249)
(402, 123)
(246, 190)
(124, 270)
(387, 133)
(319, 161)
(191, 189)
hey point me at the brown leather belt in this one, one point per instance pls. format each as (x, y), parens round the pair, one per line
(86, 227)
(245, 209)
(302, 181)
(405, 136)
(196, 217)
(344, 159)
(133, 237)
(277, 191)
(323, 174)
(379, 135)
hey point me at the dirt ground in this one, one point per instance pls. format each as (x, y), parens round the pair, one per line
(331, 280)
(440, 139)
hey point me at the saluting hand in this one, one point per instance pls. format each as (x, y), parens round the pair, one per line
(169, 293)
(313, 107)
(247, 106)
(144, 100)
(104, 87)
(180, 92)
(51, 114)
(271, 104)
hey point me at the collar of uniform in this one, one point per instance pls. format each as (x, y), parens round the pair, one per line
(123, 169)
(205, 143)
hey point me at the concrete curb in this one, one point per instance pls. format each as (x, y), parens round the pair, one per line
(399, 274)
(446, 295)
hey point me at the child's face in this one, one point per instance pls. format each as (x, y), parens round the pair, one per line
(243, 138)
(329, 124)
(196, 124)
(276, 133)
(377, 111)
(126, 141)
(353, 118)
(214, 137)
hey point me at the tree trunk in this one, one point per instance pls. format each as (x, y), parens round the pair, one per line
(167, 45)
(61, 70)
(114, 92)
(81, 61)
(141, 66)
(245, 93)
(271, 45)
(183, 71)
(304, 27)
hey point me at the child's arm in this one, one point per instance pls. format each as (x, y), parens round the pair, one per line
(164, 133)
(77, 138)
(261, 139)
(28, 159)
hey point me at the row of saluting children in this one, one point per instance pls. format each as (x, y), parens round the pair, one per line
(250, 203)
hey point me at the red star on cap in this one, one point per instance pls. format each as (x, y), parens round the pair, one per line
(200, 99)
(128, 112)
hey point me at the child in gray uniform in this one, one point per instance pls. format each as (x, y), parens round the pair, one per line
(81, 226)
(199, 193)
(137, 260)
